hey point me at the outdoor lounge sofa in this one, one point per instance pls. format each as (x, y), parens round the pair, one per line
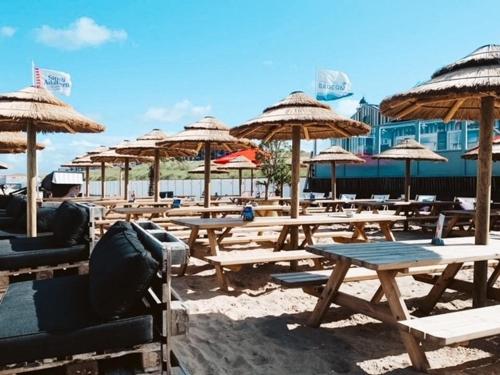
(120, 308)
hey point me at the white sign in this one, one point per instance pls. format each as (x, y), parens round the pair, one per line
(53, 80)
(332, 85)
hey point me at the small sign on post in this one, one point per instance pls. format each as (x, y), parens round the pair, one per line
(438, 236)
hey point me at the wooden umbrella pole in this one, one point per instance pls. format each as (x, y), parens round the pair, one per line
(483, 196)
(206, 197)
(334, 180)
(87, 181)
(31, 183)
(125, 177)
(120, 179)
(251, 182)
(407, 179)
(294, 213)
(103, 179)
(240, 180)
(156, 173)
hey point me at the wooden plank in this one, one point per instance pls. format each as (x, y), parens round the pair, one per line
(252, 257)
(455, 327)
(31, 182)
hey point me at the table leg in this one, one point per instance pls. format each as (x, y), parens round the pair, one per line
(280, 244)
(449, 227)
(331, 288)
(377, 296)
(494, 276)
(224, 234)
(191, 241)
(212, 241)
(439, 287)
(400, 312)
(359, 232)
(385, 227)
(308, 234)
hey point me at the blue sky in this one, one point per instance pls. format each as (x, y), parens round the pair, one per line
(137, 65)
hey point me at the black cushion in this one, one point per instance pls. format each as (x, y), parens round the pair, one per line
(16, 206)
(44, 219)
(19, 253)
(7, 222)
(70, 225)
(120, 270)
(53, 318)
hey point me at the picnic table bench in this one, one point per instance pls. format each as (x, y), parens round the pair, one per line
(464, 218)
(387, 259)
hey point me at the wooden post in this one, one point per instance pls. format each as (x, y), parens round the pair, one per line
(31, 183)
(407, 179)
(206, 197)
(87, 181)
(483, 196)
(334, 180)
(240, 179)
(103, 179)
(251, 182)
(294, 212)
(125, 182)
(120, 179)
(156, 177)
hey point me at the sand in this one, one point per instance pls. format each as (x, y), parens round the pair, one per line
(260, 329)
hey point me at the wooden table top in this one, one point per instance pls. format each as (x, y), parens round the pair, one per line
(194, 209)
(337, 218)
(405, 254)
(398, 202)
(468, 213)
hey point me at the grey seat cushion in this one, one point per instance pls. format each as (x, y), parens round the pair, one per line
(19, 253)
(53, 318)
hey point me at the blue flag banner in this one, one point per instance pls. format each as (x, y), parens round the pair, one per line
(52, 80)
(332, 85)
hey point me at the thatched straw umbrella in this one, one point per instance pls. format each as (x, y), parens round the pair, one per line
(36, 110)
(209, 134)
(408, 150)
(96, 151)
(468, 89)
(495, 151)
(295, 117)
(214, 169)
(3, 166)
(111, 156)
(335, 155)
(15, 142)
(240, 164)
(146, 146)
(84, 162)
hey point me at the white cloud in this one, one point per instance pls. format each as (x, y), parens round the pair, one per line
(346, 107)
(176, 112)
(84, 32)
(7, 31)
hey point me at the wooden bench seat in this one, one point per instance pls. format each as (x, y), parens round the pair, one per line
(235, 261)
(455, 327)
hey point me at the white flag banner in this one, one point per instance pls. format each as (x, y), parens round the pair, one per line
(53, 80)
(332, 85)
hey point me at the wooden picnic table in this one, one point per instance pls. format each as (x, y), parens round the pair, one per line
(387, 259)
(309, 224)
(462, 218)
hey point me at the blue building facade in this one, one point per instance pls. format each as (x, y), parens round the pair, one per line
(451, 140)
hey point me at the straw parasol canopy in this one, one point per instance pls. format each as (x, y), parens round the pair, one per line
(495, 151)
(111, 156)
(214, 169)
(37, 110)
(335, 155)
(84, 162)
(3, 166)
(240, 163)
(15, 142)
(468, 89)
(209, 134)
(295, 117)
(97, 151)
(408, 150)
(145, 145)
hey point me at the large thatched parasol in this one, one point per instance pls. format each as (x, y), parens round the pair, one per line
(214, 169)
(466, 89)
(335, 155)
(240, 164)
(146, 146)
(84, 162)
(495, 151)
(209, 134)
(295, 117)
(15, 142)
(408, 150)
(111, 156)
(36, 110)
(96, 151)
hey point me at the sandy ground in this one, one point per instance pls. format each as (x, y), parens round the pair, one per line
(260, 329)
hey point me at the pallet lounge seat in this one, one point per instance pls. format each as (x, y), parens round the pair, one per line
(45, 322)
(14, 209)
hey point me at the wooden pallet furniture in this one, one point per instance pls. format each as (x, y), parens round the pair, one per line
(388, 259)
(234, 262)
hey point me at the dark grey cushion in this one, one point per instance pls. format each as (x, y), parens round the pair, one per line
(19, 253)
(71, 224)
(16, 206)
(120, 271)
(53, 318)
(7, 222)
(44, 219)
